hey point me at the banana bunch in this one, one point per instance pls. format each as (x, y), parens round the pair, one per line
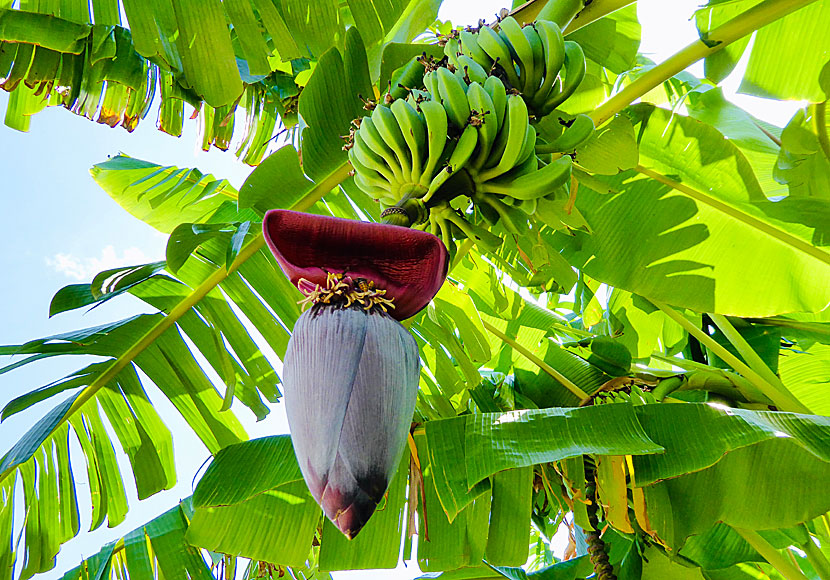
(465, 138)
(400, 150)
(535, 60)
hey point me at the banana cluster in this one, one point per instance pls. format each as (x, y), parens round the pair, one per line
(399, 149)
(464, 138)
(535, 60)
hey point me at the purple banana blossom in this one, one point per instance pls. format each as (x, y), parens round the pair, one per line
(351, 369)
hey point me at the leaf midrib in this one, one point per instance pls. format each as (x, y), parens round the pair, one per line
(251, 248)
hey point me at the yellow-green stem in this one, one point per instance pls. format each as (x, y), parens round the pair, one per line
(748, 353)
(198, 293)
(781, 400)
(749, 21)
(536, 360)
(561, 11)
(820, 122)
(816, 557)
(529, 11)
(771, 555)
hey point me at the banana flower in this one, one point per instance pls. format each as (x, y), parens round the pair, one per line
(351, 370)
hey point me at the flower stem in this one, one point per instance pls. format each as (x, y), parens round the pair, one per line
(536, 360)
(749, 21)
(771, 555)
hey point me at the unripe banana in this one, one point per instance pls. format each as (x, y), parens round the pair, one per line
(431, 84)
(389, 130)
(517, 126)
(520, 49)
(471, 48)
(496, 49)
(580, 130)
(452, 49)
(461, 154)
(574, 73)
(362, 153)
(436, 121)
(554, 48)
(498, 94)
(532, 185)
(487, 121)
(414, 133)
(533, 84)
(405, 78)
(470, 69)
(369, 133)
(453, 93)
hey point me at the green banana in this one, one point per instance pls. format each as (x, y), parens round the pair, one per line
(517, 126)
(509, 217)
(574, 73)
(511, 32)
(452, 49)
(470, 69)
(368, 158)
(490, 41)
(431, 84)
(369, 133)
(371, 187)
(471, 48)
(414, 133)
(580, 130)
(453, 93)
(481, 236)
(532, 185)
(436, 121)
(405, 78)
(460, 155)
(553, 45)
(390, 132)
(488, 127)
(498, 94)
(533, 84)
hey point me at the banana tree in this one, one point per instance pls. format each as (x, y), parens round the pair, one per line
(632, 338)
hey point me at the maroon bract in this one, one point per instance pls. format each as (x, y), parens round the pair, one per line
(410, 265)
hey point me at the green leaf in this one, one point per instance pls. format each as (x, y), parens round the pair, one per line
(163, 197)
(276, 182)
(510, 517)
(447, 451)
(286, 518)
(497, 441)
(43, 30)
(611, 149)
(696, 436)
(207, 55)
(451, 545)
(722, 247)
(807, 374)
(230, 479)
(611, 41)
(790, 69)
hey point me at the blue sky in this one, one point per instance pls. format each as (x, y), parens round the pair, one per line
(62, 229)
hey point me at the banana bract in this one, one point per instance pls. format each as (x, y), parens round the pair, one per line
(351, 370)
(409, 265)
(350, 380)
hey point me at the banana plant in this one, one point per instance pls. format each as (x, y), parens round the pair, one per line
(631, 341)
